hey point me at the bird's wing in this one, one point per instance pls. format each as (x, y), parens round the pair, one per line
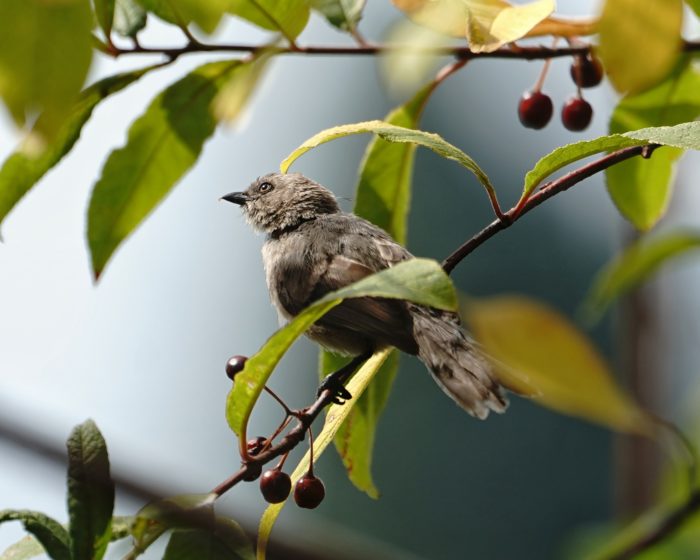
(385, 321)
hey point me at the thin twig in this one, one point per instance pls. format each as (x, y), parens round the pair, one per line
(546, 192)
(460, 52)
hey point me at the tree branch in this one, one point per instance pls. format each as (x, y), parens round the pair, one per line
(547, 191)
(460, 52)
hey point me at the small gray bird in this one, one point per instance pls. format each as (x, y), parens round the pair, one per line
(313, 248)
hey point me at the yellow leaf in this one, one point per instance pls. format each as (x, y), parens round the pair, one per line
(334, 420)
(493, 23)
(489, 24)
(534, 345)
(640, 41)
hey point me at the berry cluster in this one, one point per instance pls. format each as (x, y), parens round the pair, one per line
(275, 484)
(535, 108)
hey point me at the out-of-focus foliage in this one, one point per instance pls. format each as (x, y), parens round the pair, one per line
(640, 42)
(637, 263)
(641, 188)
(45, 54)
(534, 347)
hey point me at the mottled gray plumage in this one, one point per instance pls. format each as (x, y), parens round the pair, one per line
(313, 248)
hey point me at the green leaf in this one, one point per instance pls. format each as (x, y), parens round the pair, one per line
(636, 264)
(25, 548)
(694, 5)
(383, 197)
(354, 440)
(104, 10)
(536, 347)
(392, 133)
(234, 94)
(205, 14)
(640, 42)
(343, 14)
(419, 280)
(224, 541)
(685, 135)
(641, 188)
(90, 492)
(184, 511)
(129, 18)
(45, 53)
(335, 418)
(22, 169)
(571, 153)
(289, 17)
(49, 532)
(161, 147)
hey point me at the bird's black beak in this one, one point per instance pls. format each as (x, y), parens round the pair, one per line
(239, 198)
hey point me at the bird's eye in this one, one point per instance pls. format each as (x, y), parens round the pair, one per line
(265, 187)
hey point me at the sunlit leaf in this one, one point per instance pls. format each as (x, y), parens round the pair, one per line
(571, 153)
(343, 14)
(206, 14)
(354, 440)
(234, 94)
(22, 170)
(685, 135)
(50, 533)
(45, 53)
(392, 133)
(636, 264)
(640, 42)
(104, 10)
(419, 280)
(224, 540)
(530, 341)
(24, 549)
(162, 146)
(289, 17)
(383, 197)
(405, 68)
(489, 24)
(129, 18)
(335, 418)
(641, 188)
(90, 493)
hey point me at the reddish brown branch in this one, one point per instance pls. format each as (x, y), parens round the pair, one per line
(460, 52)
(546, 192)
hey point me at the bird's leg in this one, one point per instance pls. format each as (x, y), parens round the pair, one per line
(335, 381)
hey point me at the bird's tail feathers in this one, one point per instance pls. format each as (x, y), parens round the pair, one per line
(456, 363)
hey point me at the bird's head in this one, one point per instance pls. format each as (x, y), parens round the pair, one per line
(277, 201)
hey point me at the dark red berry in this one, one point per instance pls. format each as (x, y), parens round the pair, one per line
(252, 473)
(535, 109)
(256, 445)
(235, 365)
(275, 486)
(576, 114)
(586, 71)
(309, 491)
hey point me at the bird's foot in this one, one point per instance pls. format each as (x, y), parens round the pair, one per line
(334, 384)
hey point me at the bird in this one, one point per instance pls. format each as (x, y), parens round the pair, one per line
(312, 248)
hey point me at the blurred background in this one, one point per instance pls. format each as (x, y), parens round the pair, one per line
(143, 351)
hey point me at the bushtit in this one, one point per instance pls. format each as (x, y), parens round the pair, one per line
(313, 248)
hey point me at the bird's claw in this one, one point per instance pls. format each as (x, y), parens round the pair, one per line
(339, 393)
